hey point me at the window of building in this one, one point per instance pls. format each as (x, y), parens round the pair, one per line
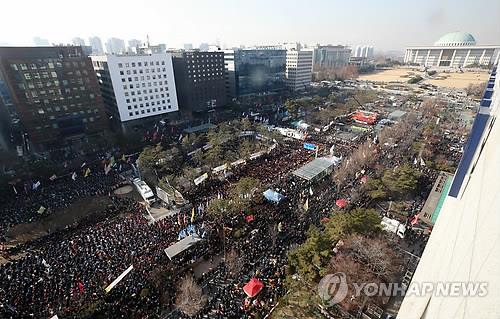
(127, 65)
(120, 65)
(121, 73)
(130, 114)
(133, 64)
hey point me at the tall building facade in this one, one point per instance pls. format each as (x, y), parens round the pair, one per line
(253, 71)
(115, 46)
(137, 88)
(331, 56)
(453, 50)
(53, 93)
(299, 64)
(199, 80)
(96, 44)
(463, 251)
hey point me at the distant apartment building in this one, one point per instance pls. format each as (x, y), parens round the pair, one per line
(137, 88)
(255, 71)
(363, 51)
(52, 95)
(188, 46)
(133, 44)
(115, 46)
(199, 80)
(331, 56)
(453, 50)
(204, 46)
(78, 41)
(96, 44)
(299, 64)
(40, 42)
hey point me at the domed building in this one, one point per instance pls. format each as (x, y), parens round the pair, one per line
(453, 50)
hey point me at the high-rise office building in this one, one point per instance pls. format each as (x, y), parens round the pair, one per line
(115, 45)
(54, 94)
(458, 274)
(199, 80)
(188, 46)
(96, 44)
(40, 42)
(259, 70)
(137, 88)
(299, 63)
(78, 41)
(331, 56)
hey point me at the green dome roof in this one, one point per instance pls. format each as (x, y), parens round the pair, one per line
(456, 39)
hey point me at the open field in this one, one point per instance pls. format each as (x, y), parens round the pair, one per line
(450, 80)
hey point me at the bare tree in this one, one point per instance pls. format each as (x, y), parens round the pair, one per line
(190, 298)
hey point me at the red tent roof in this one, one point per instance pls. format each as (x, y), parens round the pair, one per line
(253, 287)
(341, 203)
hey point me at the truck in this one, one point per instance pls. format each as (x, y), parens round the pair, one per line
(144, 190)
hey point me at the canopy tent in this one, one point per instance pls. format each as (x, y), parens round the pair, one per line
(317, 168)
(341, 203)
(273, 196)
(253, 287)
(182, 245)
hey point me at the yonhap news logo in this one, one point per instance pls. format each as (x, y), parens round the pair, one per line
(333, 288)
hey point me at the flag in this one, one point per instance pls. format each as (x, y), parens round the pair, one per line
(107, 168)
(73, 176)
(331, 149)
(53, 177)
(83, 164)
(179, 219)
(41, 210)
(36, 185)
(422, 163)
(87, 172)
(112, 161)
(414, 220)
(310, 191)
(15, 190)
(192, 215)
(249, 218)
(123, 157)
(415, 161)
(185, 219)
(306, 205)
(81, 287)
(180, 137)
(280, 227)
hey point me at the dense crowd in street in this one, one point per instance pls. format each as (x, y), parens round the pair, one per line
(65, 273)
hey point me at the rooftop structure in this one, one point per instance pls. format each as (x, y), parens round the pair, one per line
(315, 169)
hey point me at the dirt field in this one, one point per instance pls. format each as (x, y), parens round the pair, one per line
(450, 80)
(57, 220)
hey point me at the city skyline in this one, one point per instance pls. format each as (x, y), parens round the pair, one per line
(322, 22)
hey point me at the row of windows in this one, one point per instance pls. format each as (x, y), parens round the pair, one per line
(138, 85)
(146, 92)
(147, 105)
(141, 71)
(133, 64)
(55, 125)
(44, 66)
(146, 99)
(149, 110)
(147, 78)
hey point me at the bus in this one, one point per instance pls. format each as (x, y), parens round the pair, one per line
(144, 190)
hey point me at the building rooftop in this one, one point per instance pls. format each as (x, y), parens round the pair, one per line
(456, 39)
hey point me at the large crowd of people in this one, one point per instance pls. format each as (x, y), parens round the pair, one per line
(66, 273)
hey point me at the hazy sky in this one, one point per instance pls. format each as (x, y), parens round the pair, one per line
(386, 24)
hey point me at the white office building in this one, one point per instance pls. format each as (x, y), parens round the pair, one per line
(453, 50)
(299, 64)
(137, 86)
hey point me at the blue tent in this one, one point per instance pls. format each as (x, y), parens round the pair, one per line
(273, 196)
